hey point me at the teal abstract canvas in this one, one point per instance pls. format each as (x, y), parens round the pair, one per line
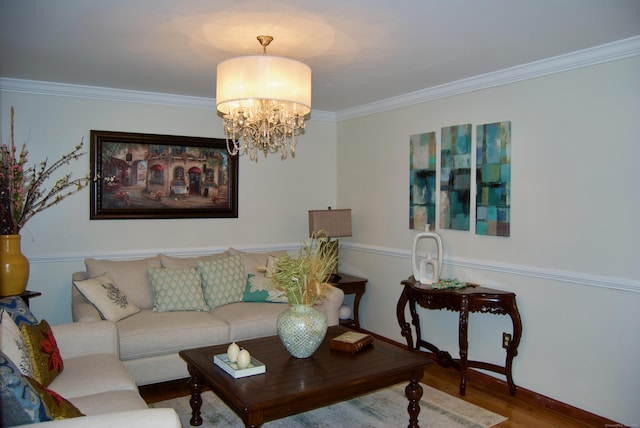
(493, 179)
(422, 172)
(455, 177)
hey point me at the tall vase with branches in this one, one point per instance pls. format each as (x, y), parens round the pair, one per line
(23, 194)
(302, 327)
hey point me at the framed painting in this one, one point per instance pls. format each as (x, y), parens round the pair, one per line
(149, 176)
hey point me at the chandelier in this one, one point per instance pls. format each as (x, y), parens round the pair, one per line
(263, 100)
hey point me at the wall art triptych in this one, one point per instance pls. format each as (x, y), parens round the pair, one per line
(492, 179)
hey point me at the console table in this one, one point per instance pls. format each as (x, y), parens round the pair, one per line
(463, 300)
(350, 284)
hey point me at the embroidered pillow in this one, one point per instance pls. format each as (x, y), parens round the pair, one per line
(261, 289)
(12, 344)
(107, 298)
(19, 310)
(223, 280)
(177, 290)
(43, 351)
(130, 275)
(21, 404)
(58, 407)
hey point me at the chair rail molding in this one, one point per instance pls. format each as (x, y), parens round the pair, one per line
(616, 283)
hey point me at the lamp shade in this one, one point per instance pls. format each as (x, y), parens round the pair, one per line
(335, 223)
(243, 80)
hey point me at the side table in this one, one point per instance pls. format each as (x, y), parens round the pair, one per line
(463, 300)
(26, 295)
(350, 284)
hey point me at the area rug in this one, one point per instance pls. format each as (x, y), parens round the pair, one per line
(381, 409)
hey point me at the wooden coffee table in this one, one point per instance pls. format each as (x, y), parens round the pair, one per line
(291, 385)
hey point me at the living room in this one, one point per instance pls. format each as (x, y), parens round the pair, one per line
(574, 239)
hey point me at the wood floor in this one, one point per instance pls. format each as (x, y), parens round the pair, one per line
(525, 409)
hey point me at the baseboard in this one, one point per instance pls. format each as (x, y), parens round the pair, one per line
(500, 387)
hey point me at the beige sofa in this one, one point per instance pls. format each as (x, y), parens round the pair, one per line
(96, 382)
(149, 341)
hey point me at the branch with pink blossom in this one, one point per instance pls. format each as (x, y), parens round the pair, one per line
(22, 187)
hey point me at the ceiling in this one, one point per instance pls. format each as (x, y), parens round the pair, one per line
(360, 51)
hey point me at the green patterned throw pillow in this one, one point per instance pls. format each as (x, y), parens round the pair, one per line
(177, 290)
(223, 280)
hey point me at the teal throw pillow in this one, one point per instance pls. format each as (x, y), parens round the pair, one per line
(223, 280)
(177, 290)
(261, 289)
(21, 404)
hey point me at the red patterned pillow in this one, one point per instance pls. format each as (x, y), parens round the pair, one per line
(58, 407)
(43, 351)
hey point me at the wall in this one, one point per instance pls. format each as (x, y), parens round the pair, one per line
(274, 195)
(572, 254)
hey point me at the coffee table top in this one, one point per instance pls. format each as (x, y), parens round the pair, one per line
(291, 385)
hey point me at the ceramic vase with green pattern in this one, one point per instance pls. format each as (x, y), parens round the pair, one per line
(301, 329)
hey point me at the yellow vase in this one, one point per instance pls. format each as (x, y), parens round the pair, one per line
(14, 266)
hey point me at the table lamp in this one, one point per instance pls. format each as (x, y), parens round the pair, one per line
(332, 224)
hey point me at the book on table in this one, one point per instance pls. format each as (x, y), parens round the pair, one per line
(351, 341)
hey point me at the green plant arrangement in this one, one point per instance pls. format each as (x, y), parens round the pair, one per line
(22, 188)
(303, 278)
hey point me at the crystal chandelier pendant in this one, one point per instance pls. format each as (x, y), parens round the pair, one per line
(263, 101)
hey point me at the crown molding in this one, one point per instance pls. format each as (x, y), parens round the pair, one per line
(123, 95)
(584, 58)
(587, 57)
(622, 284)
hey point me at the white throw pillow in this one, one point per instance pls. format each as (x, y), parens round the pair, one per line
(177, 290)
(130, 275)
(108, 299)
(13, 345)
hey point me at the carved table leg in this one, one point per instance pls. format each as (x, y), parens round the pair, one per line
(512, 349)
(463, 343)
(405, 328)
(415, 320)
(413, 391)
(196, 399)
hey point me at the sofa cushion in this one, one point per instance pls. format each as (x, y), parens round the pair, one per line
(188, 262)
(19, 310)
(21, 404)
(256, 262)
(259, 288)
(92, 374)
(223, 280)
(151, 333)
(106, 297)
(109, 402)
(57, 406)
(13, 345)
(248, 320)
(130, 275)
(177, 290)
(43, 352)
